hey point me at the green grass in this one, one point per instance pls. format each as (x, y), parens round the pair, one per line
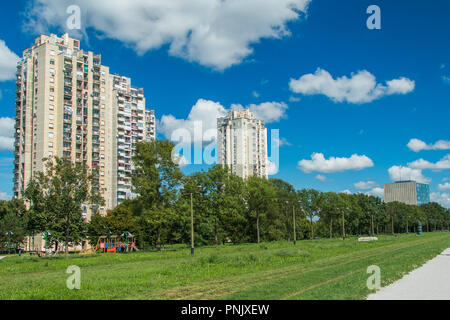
(319, 269)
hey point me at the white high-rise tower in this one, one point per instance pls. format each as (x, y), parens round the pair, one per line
(242, 144)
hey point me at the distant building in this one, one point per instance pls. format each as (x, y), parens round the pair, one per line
(409, 192)
(242, 144)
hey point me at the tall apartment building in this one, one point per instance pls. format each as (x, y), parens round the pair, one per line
(68, 104)
(134, 123)
(409, 192)
(242, 144)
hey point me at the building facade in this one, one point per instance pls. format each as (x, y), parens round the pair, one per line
(409, 192)
(69, 105)
(242, 144)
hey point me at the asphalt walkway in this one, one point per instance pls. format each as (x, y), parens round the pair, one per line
(429, 282)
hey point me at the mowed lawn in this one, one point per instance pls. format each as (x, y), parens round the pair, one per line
(319, 269)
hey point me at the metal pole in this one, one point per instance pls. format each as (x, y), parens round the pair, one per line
(295, 234)
(9, 243)
(192, 227)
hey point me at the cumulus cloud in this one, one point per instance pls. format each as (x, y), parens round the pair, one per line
(201, 123)
(8, 62)
(6, 134)
(398, 173)
(419, 145)
(5, 196)
(346, 191)
(365, 185)
(442, 164)
(321, 178)
(361, 87)
(214, 33)
(377, 192)
(441, 198)
(444, 186)
(268, 111)
(272, 168)
(282, 142)
(318, 163)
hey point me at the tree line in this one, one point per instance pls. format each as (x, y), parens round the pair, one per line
(226, 207)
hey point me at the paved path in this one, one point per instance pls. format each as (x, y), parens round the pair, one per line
(429, 282)
(1, 257)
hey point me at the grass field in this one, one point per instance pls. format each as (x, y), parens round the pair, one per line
(319, 269)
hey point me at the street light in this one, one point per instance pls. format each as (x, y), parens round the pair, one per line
(9, 234)
(200, 188)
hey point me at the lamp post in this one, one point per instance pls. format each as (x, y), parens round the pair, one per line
(9, 234)
(200, 188)
(293, 217)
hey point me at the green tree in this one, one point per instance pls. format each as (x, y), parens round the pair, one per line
(157, 179)
(56, 196)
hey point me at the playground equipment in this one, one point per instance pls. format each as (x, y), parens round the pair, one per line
(113, 244)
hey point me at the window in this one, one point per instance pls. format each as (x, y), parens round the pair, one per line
(51, 135)
(52, 52)
(51, 98)
(51, 107)
(52, 62)
(50, 144)
(51, 116)
(50, 125)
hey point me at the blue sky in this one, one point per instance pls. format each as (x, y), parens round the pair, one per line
(236, 58)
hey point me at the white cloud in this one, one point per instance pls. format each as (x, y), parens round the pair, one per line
(442, 164)
(346, 191)
(362, 185)
(361, 87)
(418, 145)
(269, 111)
(8, 62)
(272, 168)
(282, 142)
(321, 178)
(5, 196)
(214, 33)
(318, 163)
(441, 198)
(444, 186)
(399, 173)
(6, 134)
(294, 99)
(201, 123)
(377, 192)
(256, 94)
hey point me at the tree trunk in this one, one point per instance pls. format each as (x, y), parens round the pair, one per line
(67, 236)
(257, 228)
(331, 228)
(216, 238)
(373, 231)
(312, 229)
(392, 224)
(406, 226)
(158, 241)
